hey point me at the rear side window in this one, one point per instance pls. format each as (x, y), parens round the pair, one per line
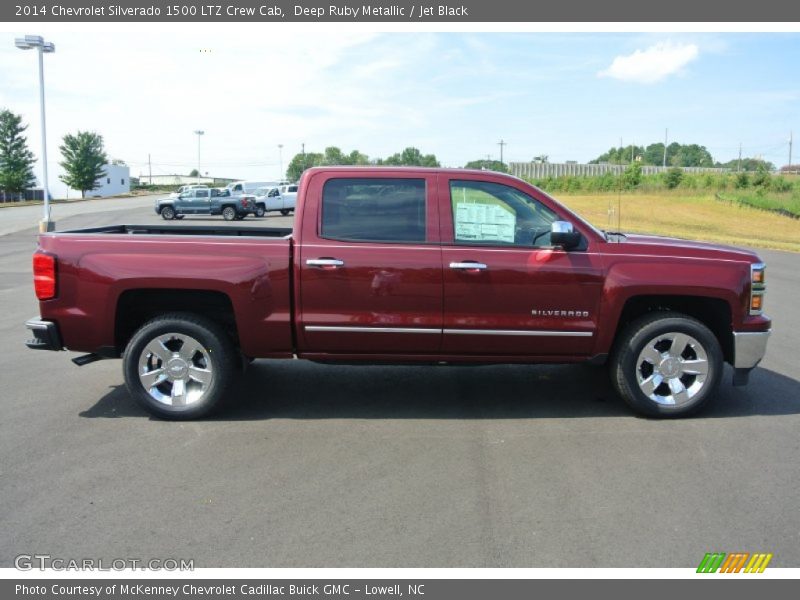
(374, 210)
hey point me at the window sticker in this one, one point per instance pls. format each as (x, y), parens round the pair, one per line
(484, 222)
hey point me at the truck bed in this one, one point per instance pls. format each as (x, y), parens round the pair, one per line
(114, 275)
(272, 232)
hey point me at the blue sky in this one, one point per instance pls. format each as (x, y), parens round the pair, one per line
(571, 96)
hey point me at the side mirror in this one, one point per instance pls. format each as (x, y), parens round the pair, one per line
(562, 234)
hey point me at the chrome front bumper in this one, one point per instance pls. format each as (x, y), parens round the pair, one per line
(749, 348)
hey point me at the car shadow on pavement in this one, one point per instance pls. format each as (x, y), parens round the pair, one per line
(304, 390)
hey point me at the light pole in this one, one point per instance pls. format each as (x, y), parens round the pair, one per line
(27, 43)
(199, 133)
(280, 162)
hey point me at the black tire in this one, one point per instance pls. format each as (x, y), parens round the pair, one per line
(168, 213)
(660, 331)
(229, 213)
(285, 211)
(260, 211)
(216, 356)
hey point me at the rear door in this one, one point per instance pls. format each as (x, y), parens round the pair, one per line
(201, 204)
(507, 290)
(370, 276)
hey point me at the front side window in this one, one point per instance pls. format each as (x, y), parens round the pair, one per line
(494, 214)
(374, 210)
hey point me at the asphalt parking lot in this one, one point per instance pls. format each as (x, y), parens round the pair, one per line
(500, 466)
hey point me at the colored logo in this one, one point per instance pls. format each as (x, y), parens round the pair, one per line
(736, 562)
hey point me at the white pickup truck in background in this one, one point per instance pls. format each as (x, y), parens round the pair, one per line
(272, 198)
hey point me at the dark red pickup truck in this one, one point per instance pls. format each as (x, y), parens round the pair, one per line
(396, 266)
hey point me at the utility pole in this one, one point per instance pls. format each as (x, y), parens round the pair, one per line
(739, 164)
(501, 143)
(280, 161)
(199, 133)
(149, 169)
(37, 42)
(666, 136)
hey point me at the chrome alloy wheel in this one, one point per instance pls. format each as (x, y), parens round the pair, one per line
(175, 369)
(672, 368)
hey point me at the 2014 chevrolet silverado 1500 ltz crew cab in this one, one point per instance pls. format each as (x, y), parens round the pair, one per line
(396, 266)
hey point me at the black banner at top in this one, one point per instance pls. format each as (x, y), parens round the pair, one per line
(398, 11)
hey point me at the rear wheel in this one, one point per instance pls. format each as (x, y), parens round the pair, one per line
(167, 213)
(229, 213)
(179, 365)
(666, 365)
(285, 211)
(260, 211)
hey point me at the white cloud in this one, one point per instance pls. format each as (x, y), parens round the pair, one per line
(653, 64)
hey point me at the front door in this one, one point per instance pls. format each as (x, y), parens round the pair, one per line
(507, 291)
(370, 265)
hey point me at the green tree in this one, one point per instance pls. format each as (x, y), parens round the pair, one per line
(16, 159)
(742, 180)
(411, 157)
(194, 173)
(488, 165)
(761, 178)
(672, 178)
(748, 164)
(692, 155)
(678, 155)
(619, 156)
(301, 162)
(632, 176)
(332, 156)
(84, 158)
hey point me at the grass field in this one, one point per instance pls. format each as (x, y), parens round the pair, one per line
(698, 217)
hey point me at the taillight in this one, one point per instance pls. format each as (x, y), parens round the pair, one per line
(44, 275)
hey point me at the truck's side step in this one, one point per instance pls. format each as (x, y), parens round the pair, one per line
(86, 359)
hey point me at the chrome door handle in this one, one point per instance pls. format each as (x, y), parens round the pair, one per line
(324, 262)
(468, 266)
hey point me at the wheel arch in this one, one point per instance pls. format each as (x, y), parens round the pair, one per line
(136, 307)
(715, 313)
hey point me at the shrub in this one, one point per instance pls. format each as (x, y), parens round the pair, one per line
(632, 176)
(673, 177)
(780, 184)
(742, 181)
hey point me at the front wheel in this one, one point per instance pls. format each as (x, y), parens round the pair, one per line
(229, 213)
(260, 211)
(179, 365)
(666, 364)
(167, 213)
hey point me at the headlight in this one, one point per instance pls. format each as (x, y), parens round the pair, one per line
(757, 287)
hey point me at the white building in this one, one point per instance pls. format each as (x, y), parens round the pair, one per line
(117, 180)
(176, 180)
